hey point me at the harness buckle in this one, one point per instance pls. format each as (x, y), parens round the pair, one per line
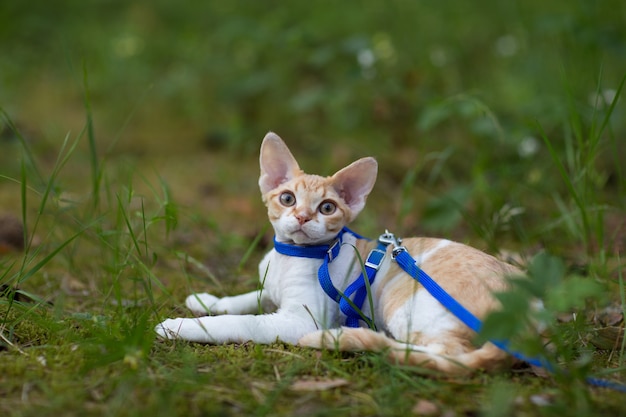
(333, 250)
(375, 259)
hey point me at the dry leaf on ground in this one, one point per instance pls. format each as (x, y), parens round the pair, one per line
(318, 384)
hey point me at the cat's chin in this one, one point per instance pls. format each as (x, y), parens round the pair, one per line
(302, 238)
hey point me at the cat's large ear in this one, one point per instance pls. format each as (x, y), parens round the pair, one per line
(277, 163)
(354, 182)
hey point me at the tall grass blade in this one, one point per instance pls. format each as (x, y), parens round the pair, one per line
(622, 293)
(570, 187)
(607, 116)
(128, 225)
(200, 266)
(24, 204)
(32, 271)
(145, 228)
(27, 152)
(252, 247)
(62, 159)
(93, 153)
(618, 163)
(368, 290)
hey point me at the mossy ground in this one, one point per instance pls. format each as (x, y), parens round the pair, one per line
(88, 347)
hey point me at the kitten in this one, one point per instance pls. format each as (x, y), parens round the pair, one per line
(413, 327)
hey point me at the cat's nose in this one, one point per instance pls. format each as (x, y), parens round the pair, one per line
(302, 218)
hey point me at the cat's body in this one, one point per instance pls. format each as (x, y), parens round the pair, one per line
(311, 210)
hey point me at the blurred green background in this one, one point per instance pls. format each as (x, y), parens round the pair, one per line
(456, 93)
(204, 73)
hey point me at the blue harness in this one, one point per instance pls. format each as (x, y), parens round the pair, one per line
(360, 288)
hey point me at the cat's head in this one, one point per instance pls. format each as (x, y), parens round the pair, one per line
(309, 209)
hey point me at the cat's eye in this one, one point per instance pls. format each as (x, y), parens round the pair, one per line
(287, 199)
(327, 208)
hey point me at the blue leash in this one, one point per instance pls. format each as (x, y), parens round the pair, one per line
(409, 265)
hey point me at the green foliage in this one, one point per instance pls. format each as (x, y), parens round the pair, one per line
(536, 332)
(443, 213)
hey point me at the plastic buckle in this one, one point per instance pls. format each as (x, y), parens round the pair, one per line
(375, 259)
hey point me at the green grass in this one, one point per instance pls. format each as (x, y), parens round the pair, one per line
(130, 134)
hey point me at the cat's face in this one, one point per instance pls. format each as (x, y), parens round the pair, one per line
(308, 209)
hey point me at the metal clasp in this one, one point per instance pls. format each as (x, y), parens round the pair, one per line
(389, 238)
(397, 251)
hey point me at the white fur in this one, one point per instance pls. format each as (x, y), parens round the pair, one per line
(291, 283)
(421, 310)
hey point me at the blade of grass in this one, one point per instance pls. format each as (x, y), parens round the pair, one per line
(32, 271)
(24, 204)
(145, 227)
(605, 123)
(368, 290)
(170, 208)
(622, 294)
(252, 247)
(128, 225)
(167, 204)
(570, 186)
(196, 263)
(95, 168)
(27, 152)
(62, 158)
(611, 108)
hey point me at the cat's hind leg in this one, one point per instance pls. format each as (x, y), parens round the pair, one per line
(437, 356)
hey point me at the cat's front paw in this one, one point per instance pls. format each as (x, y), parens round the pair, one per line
(168, 329)
(202, 304)
(191, 329)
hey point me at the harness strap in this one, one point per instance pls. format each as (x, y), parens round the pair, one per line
(359, 289)
(325, 252)
(351, 308)
(313, 251)
(323, 276)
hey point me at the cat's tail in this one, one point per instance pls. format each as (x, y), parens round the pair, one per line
(487, 357)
